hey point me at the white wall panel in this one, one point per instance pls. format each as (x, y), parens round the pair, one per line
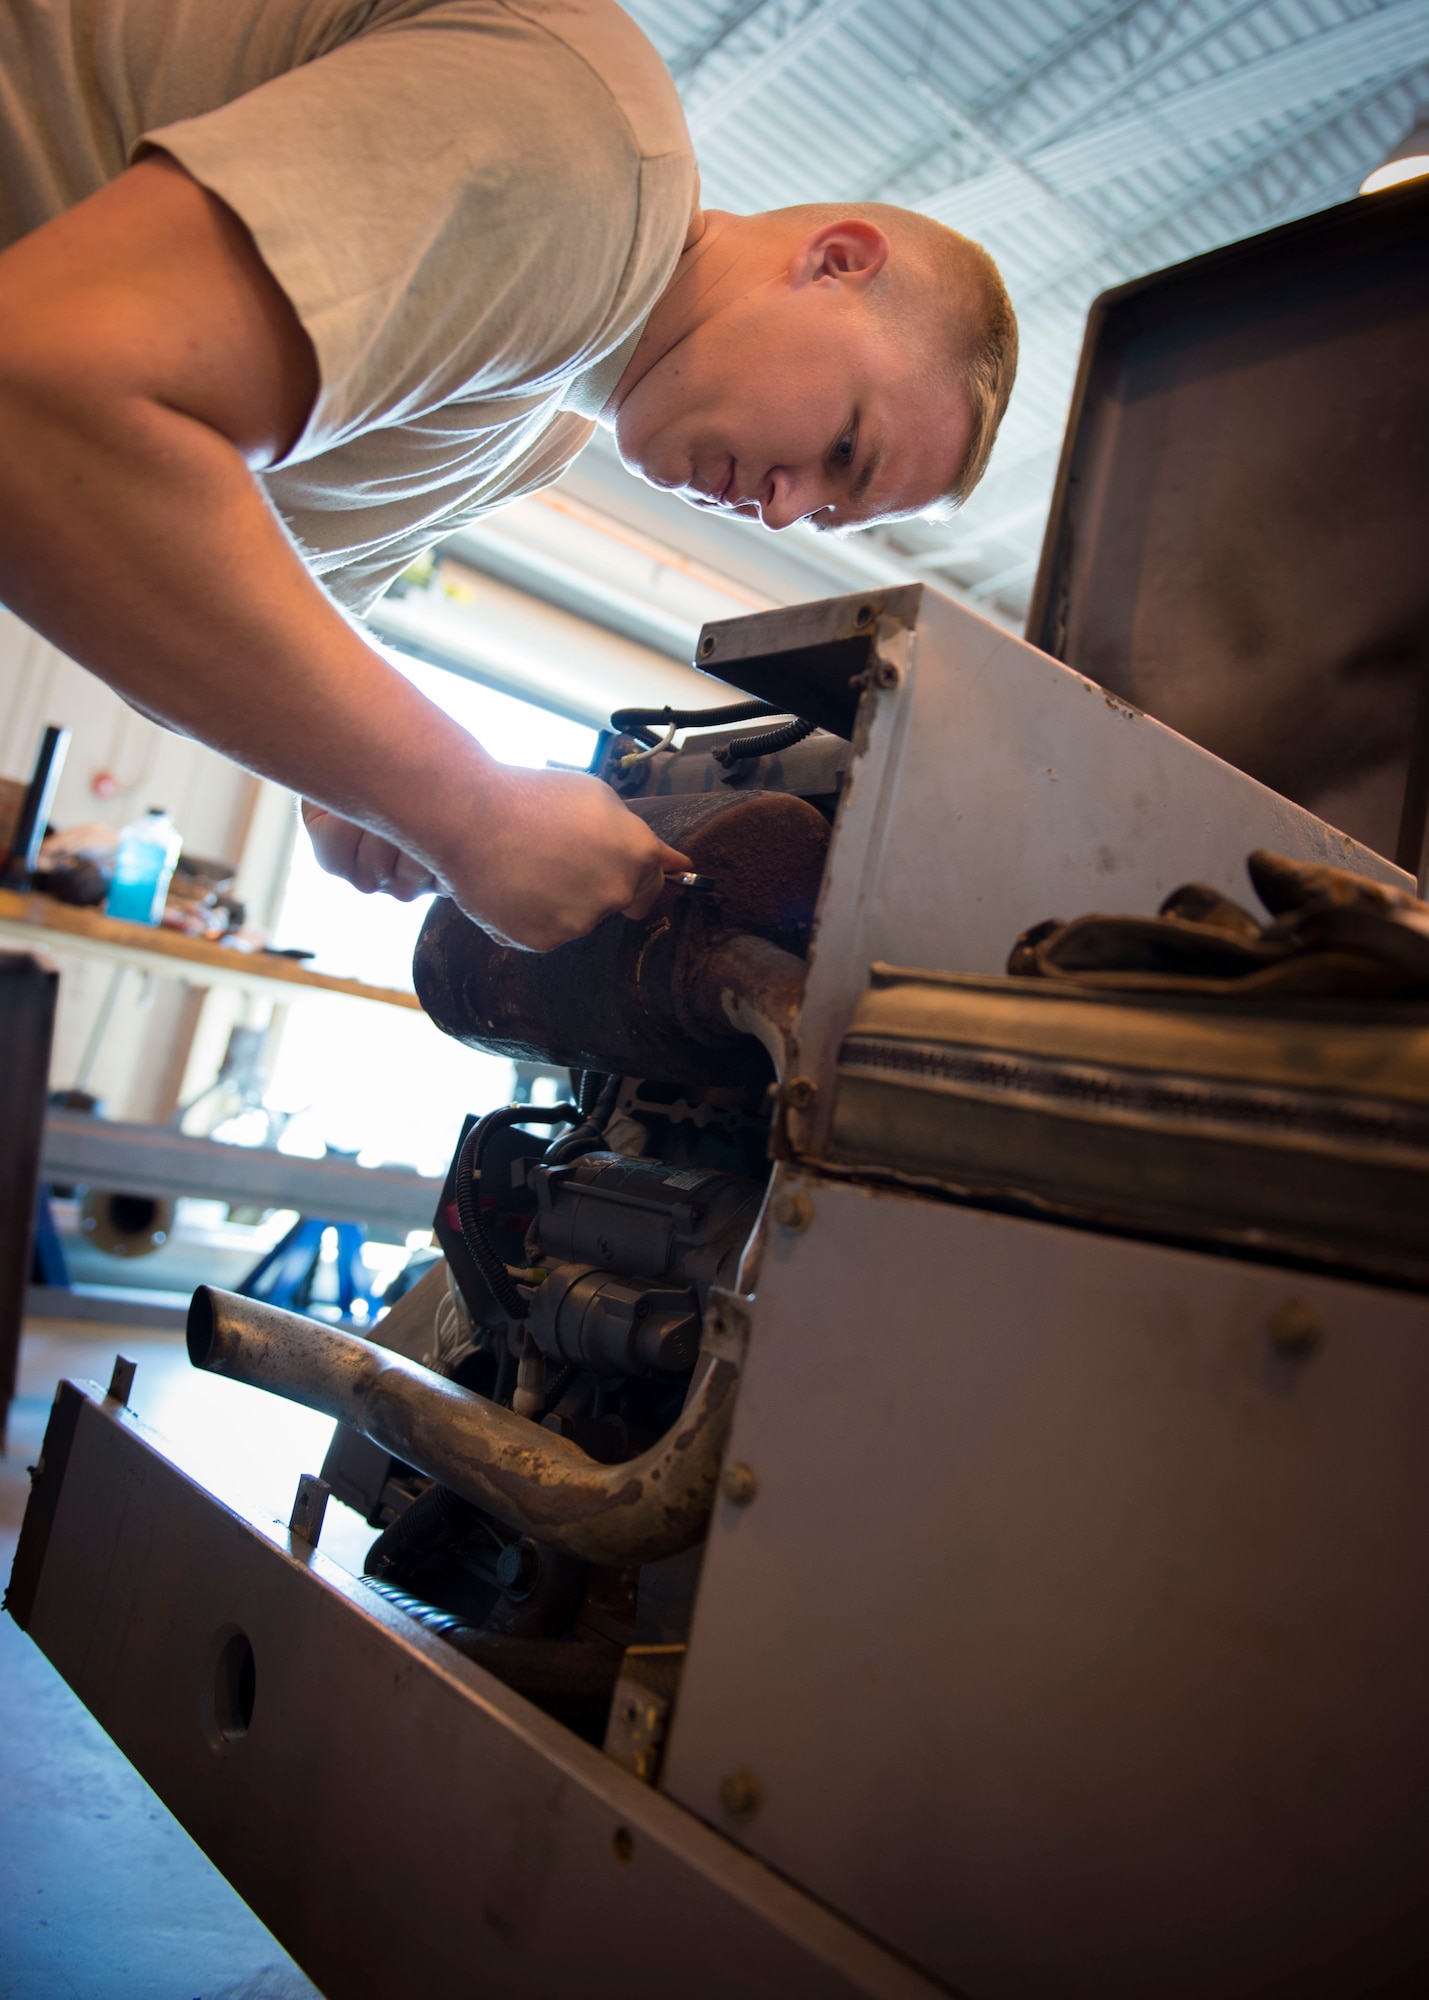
(145, 1048)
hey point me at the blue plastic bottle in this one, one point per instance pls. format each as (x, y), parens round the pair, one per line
(148, 849)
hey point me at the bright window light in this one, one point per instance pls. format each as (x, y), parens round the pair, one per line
(375, 1080)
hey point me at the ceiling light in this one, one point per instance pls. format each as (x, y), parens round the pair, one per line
(1407, 162)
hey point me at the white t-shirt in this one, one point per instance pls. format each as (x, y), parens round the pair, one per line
(472, 205)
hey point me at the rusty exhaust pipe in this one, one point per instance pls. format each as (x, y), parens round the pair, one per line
(530, 1480)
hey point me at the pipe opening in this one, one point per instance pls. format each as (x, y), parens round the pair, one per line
(199, 1328)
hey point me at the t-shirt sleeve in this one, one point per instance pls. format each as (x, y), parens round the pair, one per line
(448, 202)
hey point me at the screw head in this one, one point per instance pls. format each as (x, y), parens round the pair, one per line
(793, 1211)
(1295, 1328)
(886, 674)
(739, 1483)
(799, 1093)
(739, 1794)
(518, 1567)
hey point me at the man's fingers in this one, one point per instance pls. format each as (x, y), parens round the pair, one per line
(672, 862)
(409, 880)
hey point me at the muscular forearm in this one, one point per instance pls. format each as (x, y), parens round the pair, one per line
(148, 364)
(138, 540)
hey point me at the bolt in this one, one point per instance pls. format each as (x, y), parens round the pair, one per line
(517, 1568)
(799, 1093)
(739, 1794)
(739, 1483)
(1295, 1328)
(886, 674)
(708, 644)
(793, 1212)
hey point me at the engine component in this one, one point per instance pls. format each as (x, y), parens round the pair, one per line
(617, 1326)
(677, 996)
(526, 1478)
(644, 1219)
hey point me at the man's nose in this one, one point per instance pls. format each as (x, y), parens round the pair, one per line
(789, 497)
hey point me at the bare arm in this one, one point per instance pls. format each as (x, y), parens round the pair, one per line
(149, 363)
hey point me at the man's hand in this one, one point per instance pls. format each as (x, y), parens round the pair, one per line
(552, 852)
(541, 857)
(367, 860)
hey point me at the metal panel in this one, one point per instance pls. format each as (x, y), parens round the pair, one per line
(1196, 556)
(1074, 1638)
(401, 1821)
(996, 788)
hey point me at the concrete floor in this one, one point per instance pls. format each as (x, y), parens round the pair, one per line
(103, 1896)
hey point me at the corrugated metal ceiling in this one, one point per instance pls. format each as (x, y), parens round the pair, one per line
(1083, 144)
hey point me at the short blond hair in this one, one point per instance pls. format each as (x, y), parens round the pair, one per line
(944, 288)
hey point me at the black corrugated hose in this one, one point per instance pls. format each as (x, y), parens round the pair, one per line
(768, 743)
(591, 1130)
(491, 1266)
(642, 722)
(589, 1084)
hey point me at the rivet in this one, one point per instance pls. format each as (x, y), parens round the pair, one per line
(799, 1093)
(1295, 1328)
(739, 1483)
(739, 1794)
(793, 1212)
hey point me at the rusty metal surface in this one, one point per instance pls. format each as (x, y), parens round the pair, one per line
(530, 1479)
(646, 998)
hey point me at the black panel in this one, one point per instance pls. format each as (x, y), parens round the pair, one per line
(807, 659)
(1239, 541)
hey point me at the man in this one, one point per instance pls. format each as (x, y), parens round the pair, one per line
(294, 287)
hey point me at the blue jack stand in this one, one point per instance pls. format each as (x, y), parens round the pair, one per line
(285, 1276)
(49, 1265)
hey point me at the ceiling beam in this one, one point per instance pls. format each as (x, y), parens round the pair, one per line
(1383, 44)
(706, 114)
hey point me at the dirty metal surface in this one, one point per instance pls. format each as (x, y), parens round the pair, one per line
(1133, 1699)
(290, 1717)
(991, 789)
(641, 998)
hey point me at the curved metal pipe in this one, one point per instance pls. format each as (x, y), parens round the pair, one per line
(761, 990)
(532, 1481)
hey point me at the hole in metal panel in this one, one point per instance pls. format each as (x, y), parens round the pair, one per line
(229, 1689)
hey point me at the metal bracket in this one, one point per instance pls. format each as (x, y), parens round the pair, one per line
(309, 1507)
(121, 1382)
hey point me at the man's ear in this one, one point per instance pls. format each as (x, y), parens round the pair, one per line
(849, 252)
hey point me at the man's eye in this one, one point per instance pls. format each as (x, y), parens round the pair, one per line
(843, 450)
